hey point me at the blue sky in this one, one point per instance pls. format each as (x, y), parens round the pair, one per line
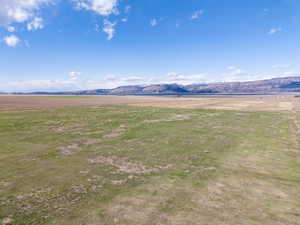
(55, 45)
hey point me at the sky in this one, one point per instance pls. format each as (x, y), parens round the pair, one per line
(64, 45)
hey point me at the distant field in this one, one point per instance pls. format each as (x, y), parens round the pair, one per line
(26, 102)
(246, 103)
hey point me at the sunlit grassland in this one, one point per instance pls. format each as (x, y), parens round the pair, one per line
(140, 165)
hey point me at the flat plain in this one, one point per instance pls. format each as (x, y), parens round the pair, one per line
(247, 103)
(130, 160)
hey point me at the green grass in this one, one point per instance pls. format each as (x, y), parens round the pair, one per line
(151, 166)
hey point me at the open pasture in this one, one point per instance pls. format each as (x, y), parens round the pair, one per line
(108, 163)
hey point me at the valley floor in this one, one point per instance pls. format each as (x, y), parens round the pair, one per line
(118, 165)
(245, 103)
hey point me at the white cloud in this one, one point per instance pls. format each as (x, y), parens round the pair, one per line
(275, 30)
(35, 24)
(197, 14)
(185, 79)
(75, 82)
(97, 28)
(124, 20)
(18, 11)
(281, 66)
(266, 10)
(231, 68)
(101, 7)
(110, 78)
(40, 85)
(235, 70)
(235, 74)
(11, 29)
(291, 73)
(74, 75)
(153, 22)
(109, 29)
(11, 41)
(133, 79)
(71, 84)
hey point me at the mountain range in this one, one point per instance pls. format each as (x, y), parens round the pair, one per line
(270, 86)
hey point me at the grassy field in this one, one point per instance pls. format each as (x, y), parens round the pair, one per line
(123, 165)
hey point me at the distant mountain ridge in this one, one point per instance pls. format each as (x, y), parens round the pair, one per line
(270, 86)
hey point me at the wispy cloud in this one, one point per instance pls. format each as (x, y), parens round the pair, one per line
(127, 9)
(275, 30)
(197, 14)
(11, 29)
(153, 22)
(72, 83)
(234, 73)
(36, 24)
(103, 8)
(186, 79)
(292, 73)
(109, 29)
(281, 66)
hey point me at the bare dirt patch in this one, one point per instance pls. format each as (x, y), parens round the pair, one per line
(114, 134)
(68, 150)
(124, 165)
(171, 119)
(7, 220)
